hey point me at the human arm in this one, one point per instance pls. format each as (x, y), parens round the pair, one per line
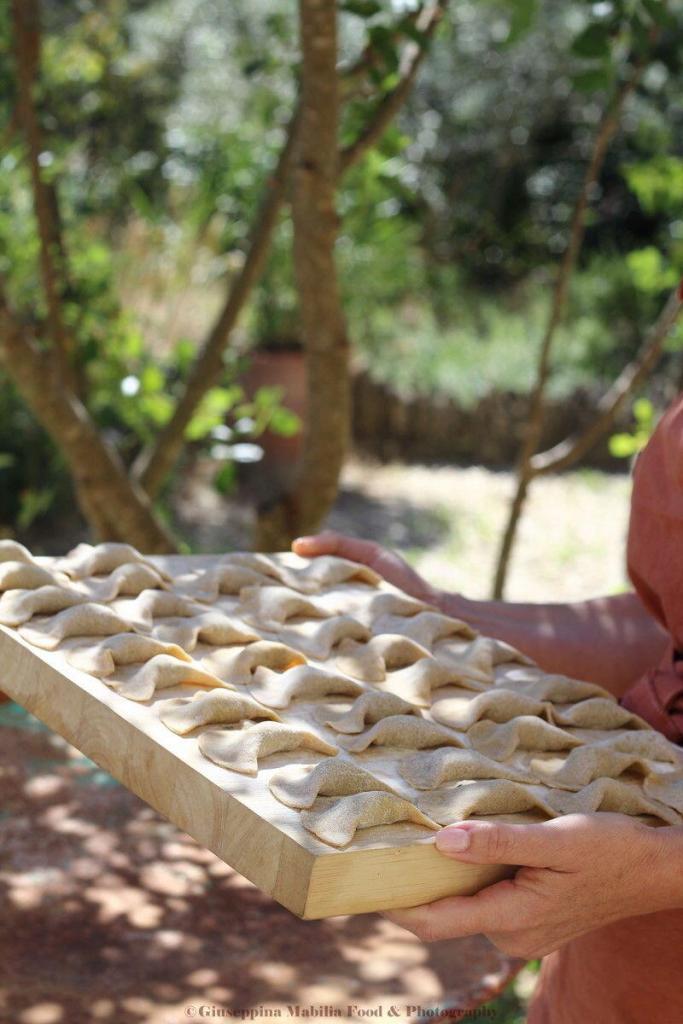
(578, 873)
(607, 640)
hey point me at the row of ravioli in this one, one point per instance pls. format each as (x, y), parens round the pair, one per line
(497, 721)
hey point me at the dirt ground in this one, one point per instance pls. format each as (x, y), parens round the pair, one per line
(112, 916)
(109, 914)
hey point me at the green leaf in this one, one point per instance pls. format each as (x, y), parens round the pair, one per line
(212, 411)
(659, 13)
(225, 478)
(151, 379)
(156, 407)
(253, 67)
(363, 8)
(6, 460)
(523, 16)
(267, 397)
(33, 504)
(183, 354)
(674, 343)
(643, 412)
(591, 81)
(657, 183)
(622, 446)
(382, 40)
(648, 270)
(284, 422)
(592, 42)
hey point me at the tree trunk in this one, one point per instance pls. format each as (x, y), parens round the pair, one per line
(108, 498)
(155, 463)
(322, 322)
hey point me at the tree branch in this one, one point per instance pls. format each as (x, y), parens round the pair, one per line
(606, 129)
(26, 22)
(573, 448)
(155, 463)
(426, 21)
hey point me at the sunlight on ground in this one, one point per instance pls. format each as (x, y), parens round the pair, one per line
(448, 522)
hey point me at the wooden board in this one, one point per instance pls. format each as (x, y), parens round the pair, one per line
(233, 815)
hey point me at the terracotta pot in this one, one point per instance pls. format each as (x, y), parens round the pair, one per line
(283, 368)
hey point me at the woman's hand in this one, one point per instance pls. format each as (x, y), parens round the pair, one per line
(579, 872)
(389, 565)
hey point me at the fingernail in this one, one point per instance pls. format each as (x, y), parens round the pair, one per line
(452, 840)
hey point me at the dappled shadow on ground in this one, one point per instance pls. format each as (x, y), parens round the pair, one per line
(210, 522)
(391, 521)
(110, 914)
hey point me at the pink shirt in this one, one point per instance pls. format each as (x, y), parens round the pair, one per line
(655, 565)
(630, 972)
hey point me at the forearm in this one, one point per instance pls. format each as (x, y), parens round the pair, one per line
(663, 875)
(609, 640)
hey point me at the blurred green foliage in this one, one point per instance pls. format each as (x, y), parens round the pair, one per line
(163, 118)
(625, 446)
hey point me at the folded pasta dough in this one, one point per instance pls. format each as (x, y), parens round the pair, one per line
(335, 821)
(103, 658)
(327, 571)
(536, 683)
(81, 620)
(23, 576)
(462, 710)
(524, 732)
(279, 689)
(316, 638)
(371, 661)
(611, 795)
(86, 560)
(595, 713)
(241, 750)
(224, 578)
(482, 797)
(667, 787)
(210, 627)
(271, 607)
(647, 743)
(416, 683)
(403, 731)
(237, 664)
(18, 606)
(217, 707)
(371, 610)
(299, 786)
(128, 580)
(313, 574)
(152, 604)
(426, 628)
(12, 551)
(586, 764)
(141, 682)
(431, 768)
(370, 707)
(478, 658)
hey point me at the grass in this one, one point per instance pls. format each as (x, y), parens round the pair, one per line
(447, 522)
(491, 345)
